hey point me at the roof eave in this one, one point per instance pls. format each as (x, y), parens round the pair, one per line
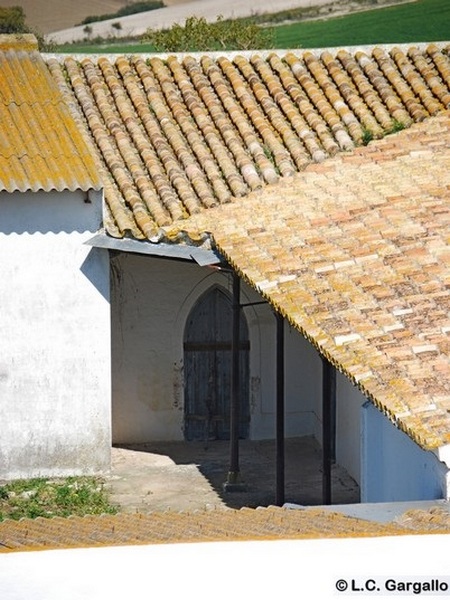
(201, 256)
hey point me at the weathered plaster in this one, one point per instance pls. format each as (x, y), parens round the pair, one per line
(55, 327)
(152, 299)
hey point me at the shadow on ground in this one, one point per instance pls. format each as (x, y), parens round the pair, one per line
(190, 476)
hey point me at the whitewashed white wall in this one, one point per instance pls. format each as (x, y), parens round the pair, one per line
(55, 380)
(348, 426)
(151, 300)
(394, 468)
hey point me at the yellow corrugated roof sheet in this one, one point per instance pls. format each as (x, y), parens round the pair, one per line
(41, 146)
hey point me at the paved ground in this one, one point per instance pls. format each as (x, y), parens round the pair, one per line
(187, 476)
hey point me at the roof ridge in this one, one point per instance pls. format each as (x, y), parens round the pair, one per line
(19, 41)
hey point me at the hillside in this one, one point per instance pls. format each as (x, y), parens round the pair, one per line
(53, 15)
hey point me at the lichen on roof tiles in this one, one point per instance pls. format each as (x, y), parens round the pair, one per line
(261, 150)
(40, 147)
(364, 276)
(262, 524)
(182, 134)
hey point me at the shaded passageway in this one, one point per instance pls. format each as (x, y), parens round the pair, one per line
(189, 476)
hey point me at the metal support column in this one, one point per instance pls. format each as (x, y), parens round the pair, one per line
(328, 426)
(233, 482)
(279, 501)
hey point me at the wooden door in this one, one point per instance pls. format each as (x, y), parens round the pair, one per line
(207, 369)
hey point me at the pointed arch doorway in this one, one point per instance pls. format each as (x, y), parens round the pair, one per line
(207, 369)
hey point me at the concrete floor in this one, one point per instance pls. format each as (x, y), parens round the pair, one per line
(182, 476)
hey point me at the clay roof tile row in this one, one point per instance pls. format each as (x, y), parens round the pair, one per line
(219, 525)
(182, 134)
(355, 255)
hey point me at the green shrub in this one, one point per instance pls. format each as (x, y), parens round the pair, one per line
(12, 20)
(198, 35)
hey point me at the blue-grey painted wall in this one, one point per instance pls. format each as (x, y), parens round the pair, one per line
(393, 467)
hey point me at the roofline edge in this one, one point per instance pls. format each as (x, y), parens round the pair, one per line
(263, 52)
(202, 256)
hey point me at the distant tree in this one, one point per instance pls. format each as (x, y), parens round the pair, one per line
(197, 35)
(128, 9)
(12, 20)
(87, 29)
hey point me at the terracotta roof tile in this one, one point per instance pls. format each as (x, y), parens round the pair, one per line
(435, 519)
(261, 151)
(40, 147)
(182, 134)
(356, 257)
(219, 525)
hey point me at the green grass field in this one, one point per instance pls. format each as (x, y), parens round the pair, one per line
(419, 21)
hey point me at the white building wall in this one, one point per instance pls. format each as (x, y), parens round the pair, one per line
(349, 401)
(394, 468)
(303, 386)
(55, 329)
(152, 299)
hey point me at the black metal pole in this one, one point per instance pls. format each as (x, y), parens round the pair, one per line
(279, 501)
(328, 412)
(333, 417)
(233, 475)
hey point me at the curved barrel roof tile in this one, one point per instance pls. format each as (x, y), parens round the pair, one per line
(356, 256)
(260, 150)
(185, 133)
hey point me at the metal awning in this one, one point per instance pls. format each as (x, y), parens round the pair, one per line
(201, 256)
